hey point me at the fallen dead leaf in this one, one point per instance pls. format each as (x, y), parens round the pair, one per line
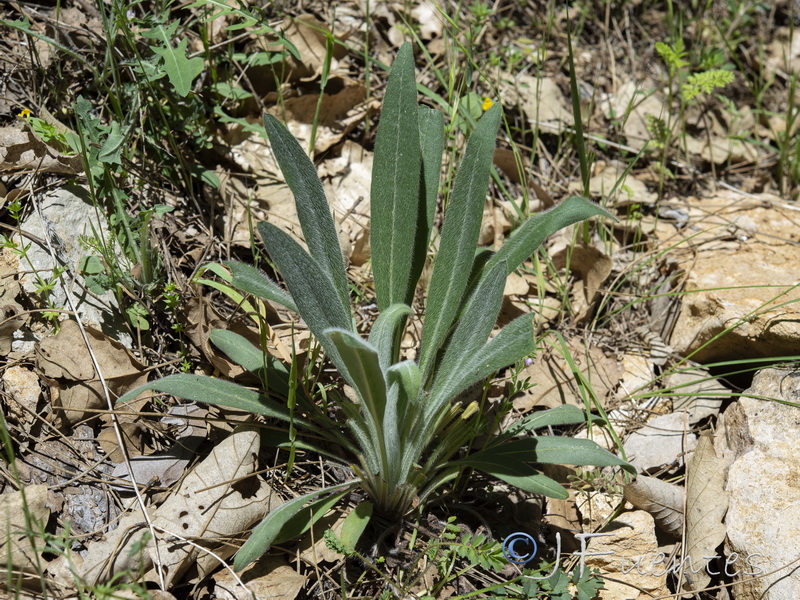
(661, 499)
(20, 513)
(21, 150)
(66, 364)
(270, 577)
(706, 505)
(218, 500)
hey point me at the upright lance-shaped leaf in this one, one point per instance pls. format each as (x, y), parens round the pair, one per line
(366, 376)
(431, 139)
(386, 332)
(310, 286)
(513, 342)
(397, 206)
(473, 328)
(462, 226)
(312, 206)
(530, 235)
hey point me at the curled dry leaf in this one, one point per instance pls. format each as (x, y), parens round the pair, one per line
(661, 499)
(65, 362)
(706, 505)
(21, 150)
(218, 500)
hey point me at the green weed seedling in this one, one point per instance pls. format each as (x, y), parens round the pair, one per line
(403, 432)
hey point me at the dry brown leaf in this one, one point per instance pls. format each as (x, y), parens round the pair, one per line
(348, 179)
(590, 264)
(340, 112)
(21, 150)
(9, 307)
(541, 100)
(66, 364)
(706, 505)
(554, 383)
(218, 500)
(308, 36)
(271, 577)
(16, 546)
(661, 499)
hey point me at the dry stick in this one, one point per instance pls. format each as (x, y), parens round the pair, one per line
(115, 422)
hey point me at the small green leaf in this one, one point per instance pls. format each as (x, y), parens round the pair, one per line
(111, 150)
(355, 523)
(181, 70)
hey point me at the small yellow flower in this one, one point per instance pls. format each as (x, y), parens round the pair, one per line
(487, 104)
(25, 113)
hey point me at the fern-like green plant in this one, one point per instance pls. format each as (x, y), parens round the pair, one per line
(404, 434)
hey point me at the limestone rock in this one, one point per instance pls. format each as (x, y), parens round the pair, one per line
(630, 556)
(740, 254)
(69, 214)
(763, 519)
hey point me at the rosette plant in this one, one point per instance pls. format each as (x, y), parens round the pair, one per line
(405, 432)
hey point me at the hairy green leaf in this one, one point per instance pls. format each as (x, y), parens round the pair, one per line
(217, 392)
(552, 449)
(530, 235)
(516, 472)
(311, 288)
(387, 331)
(313, 210)
(515, 341)
(462, 226)
(249, 279)
(566, 414)
(473, 328)
(355, 523)
(287, 521)
(397, 206)
(431, 137)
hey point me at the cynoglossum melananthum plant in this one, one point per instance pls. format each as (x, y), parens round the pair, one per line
(404, 434)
